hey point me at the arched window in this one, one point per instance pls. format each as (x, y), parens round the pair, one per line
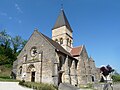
(56, 40)
(60, 63)
(67, 41)
(61, 40)
(70, 42)
(20, 70)
(25, 58)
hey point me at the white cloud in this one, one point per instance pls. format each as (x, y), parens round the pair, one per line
(18, 8)
(6, 15)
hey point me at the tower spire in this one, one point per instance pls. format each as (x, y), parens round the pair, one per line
(62, 32)
(62, 21)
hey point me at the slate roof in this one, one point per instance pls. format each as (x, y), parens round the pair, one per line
(76, 51)
(62, 21)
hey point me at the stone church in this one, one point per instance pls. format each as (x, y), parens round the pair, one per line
(55, 60)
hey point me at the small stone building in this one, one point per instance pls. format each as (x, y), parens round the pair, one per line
(55, 60)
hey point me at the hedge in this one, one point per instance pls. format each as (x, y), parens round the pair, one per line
(38, 86)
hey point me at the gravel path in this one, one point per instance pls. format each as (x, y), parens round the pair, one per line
(116, 86)
(12, 86)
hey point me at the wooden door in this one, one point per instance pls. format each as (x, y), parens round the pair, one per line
(33, 77)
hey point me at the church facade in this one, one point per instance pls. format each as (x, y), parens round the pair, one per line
(55, 60)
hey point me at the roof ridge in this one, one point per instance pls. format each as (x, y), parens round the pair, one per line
(56, 45)
(78, 46)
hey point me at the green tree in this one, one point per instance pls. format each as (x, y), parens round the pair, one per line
(10, 47)
(17, 43)
(5, 39)
(3, 57)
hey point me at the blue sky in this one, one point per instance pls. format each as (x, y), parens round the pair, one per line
(95, 23)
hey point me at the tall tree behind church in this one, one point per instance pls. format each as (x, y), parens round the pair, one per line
(9, 47)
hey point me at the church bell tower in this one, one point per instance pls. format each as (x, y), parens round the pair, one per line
(62, 32)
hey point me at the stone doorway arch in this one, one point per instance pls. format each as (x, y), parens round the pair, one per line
(31, 71)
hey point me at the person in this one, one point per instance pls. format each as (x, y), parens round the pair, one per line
(107, 76)
(23, 76)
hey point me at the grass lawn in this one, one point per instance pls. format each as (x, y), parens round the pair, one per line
(7, 79)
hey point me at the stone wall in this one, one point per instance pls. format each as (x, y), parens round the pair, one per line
(82, 69)
(48, 57)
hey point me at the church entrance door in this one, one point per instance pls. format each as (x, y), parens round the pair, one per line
(32, 76)
(93, 79)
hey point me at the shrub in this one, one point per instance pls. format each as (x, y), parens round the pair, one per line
(38, 86)
(116, 78)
